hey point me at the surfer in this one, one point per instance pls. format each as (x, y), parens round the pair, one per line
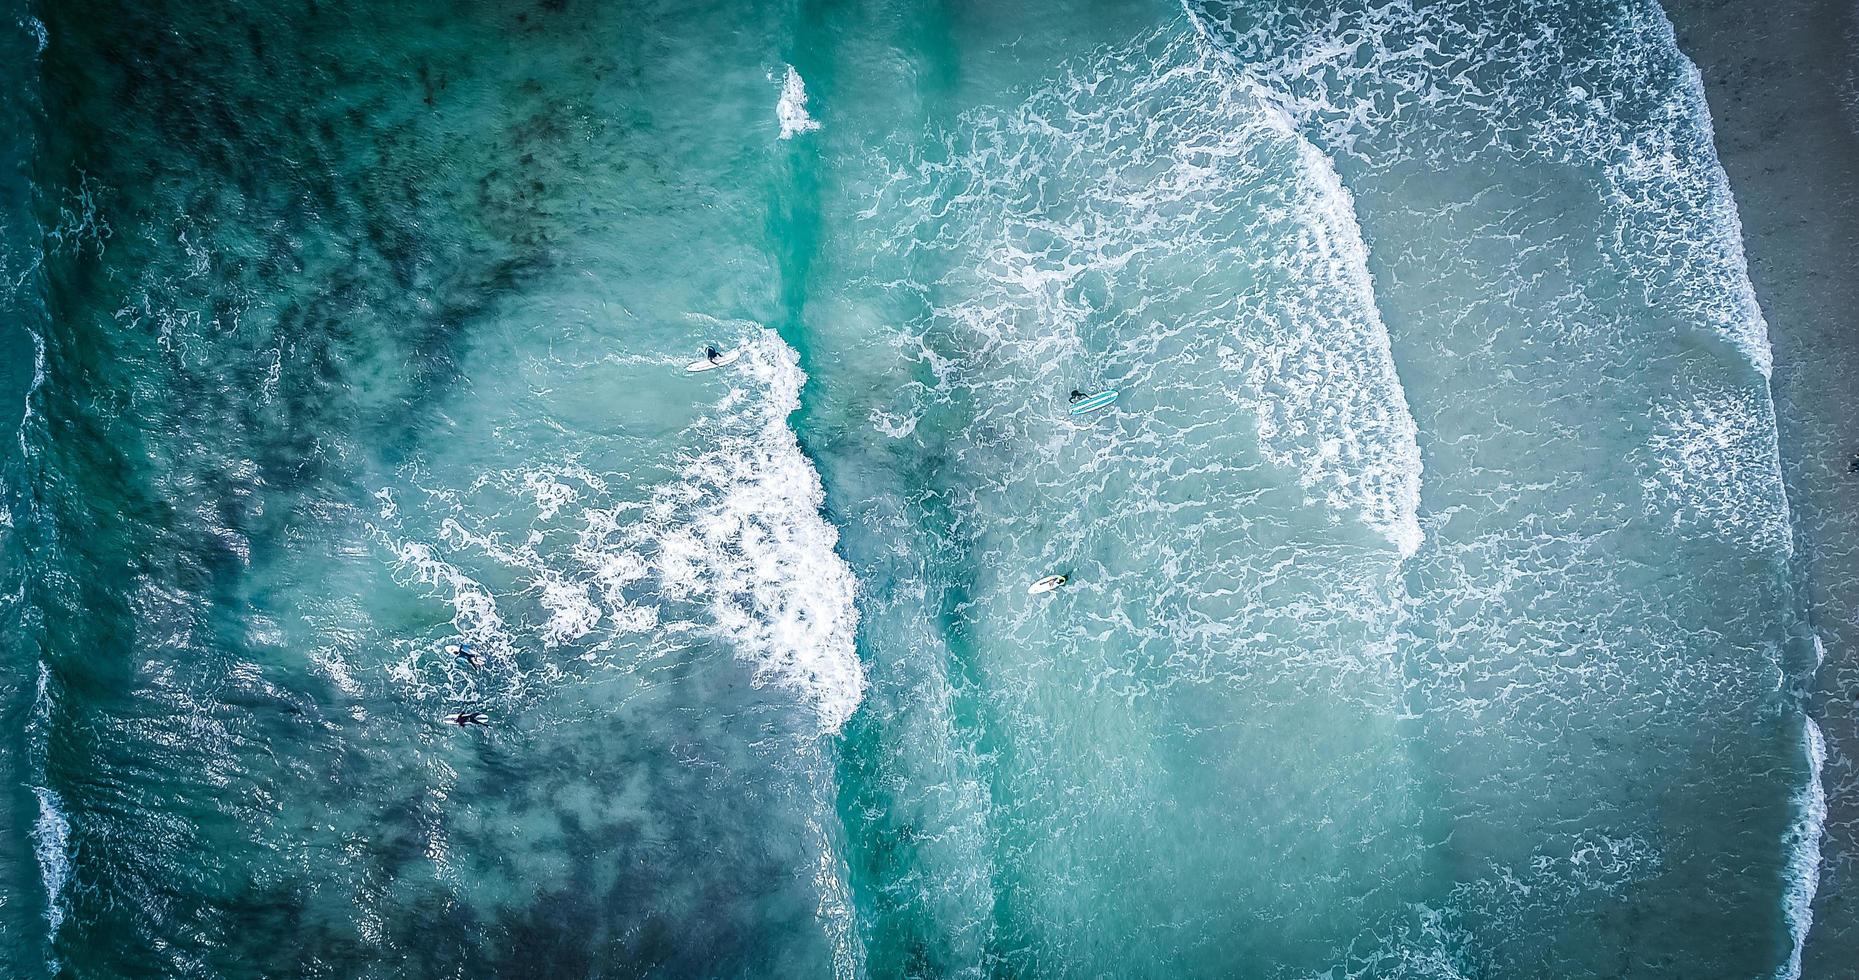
(467, 718)
(463, 652)
(1050, 583)
(712, 360)
(1078, 396)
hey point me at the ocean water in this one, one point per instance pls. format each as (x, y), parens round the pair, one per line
(1432, 609)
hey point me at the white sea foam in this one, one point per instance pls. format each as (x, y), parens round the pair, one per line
(576, 598)
(51, 837)
(550, 494)
(475, 612)
(612, 570)
(51, 831)
(1595, 102)
(1154, 201)
(1369, 455)
(1432, 941)
(1385, 82)
(1803, 849)
(38, 381)
(1678, 220)
(741, 533)
(1713, 461)
(572, 613)
(82, 223)
(734, 545)
(791, 109)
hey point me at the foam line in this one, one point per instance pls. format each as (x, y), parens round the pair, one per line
(1803, 847)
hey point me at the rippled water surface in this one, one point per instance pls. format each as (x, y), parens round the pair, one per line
(1431, 614)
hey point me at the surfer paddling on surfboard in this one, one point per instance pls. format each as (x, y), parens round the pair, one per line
(712, 359)
(465, 719)
(1048, 584)
(1083, 403)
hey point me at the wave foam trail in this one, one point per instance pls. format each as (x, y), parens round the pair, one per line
(741, 531)
(1803, 847)
(1384, 485)
(733, 545)
(791, 110)
(51, 830)
(51, 834)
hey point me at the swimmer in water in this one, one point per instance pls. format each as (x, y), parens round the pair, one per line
(465, 719)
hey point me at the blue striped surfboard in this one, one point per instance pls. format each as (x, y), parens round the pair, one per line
(1086, 406)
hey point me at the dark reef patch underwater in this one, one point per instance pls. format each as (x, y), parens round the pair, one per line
(1446, 599)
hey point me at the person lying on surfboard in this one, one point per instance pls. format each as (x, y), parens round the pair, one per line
(1078, 396)
(465, 718)
(1047, 584)
(712, 355)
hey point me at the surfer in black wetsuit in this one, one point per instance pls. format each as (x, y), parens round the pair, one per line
(464, 652)
(712, 355)
(1078, 396)
(465, 719)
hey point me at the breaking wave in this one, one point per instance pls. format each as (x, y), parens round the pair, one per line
(733, 545)
(791, 110)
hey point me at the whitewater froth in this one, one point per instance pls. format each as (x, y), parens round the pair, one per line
(1393, 81)
(1712, 461)
(1368, 456)
(1153, 145)
(732, 545)
(1803, 845)
(791, 109)
(741, 531)
(52, 833)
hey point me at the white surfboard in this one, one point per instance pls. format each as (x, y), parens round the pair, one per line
(1046, 584)
(728, 357)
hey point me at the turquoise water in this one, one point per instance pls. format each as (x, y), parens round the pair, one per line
(1431, 610)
